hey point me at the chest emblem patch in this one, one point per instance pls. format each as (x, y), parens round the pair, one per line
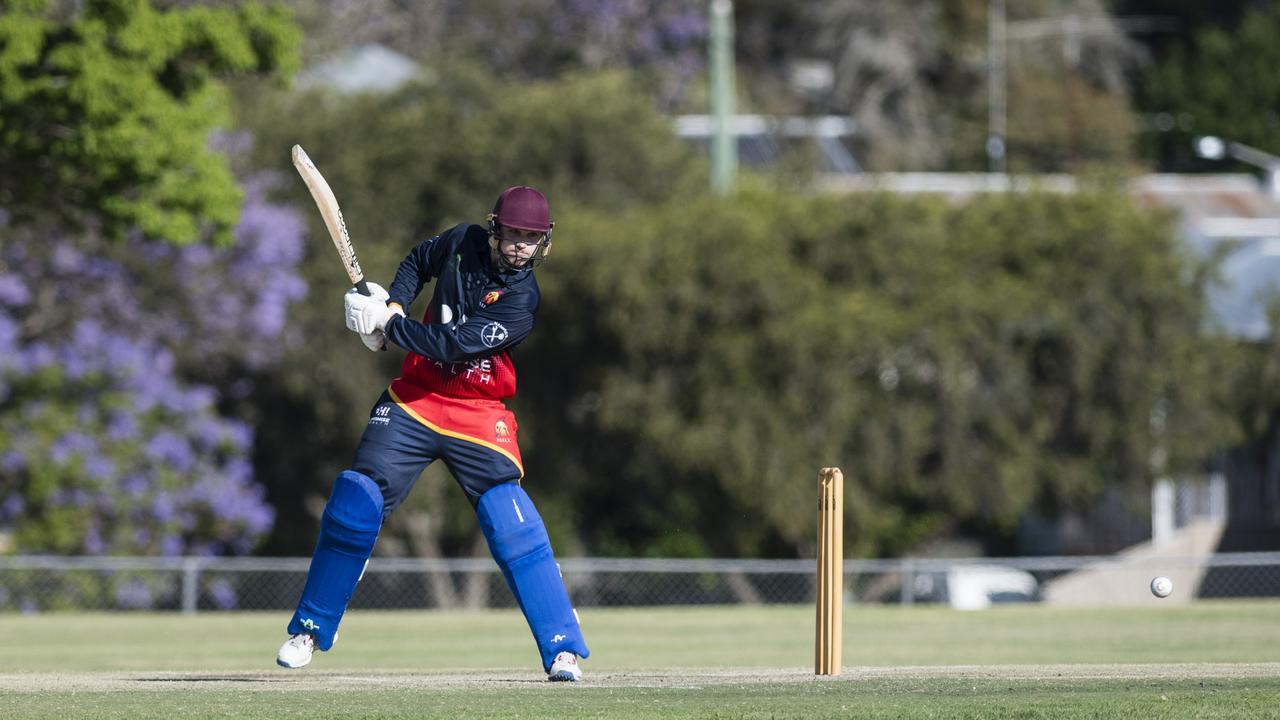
(491, 297)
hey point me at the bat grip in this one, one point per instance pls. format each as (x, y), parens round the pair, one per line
(363, 288)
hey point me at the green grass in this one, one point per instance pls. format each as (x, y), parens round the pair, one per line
(1225, 698)
(1212, 660)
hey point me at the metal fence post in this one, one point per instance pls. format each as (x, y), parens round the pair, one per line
(908, 582)
(190, 584)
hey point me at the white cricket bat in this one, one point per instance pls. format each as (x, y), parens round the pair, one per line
(328, 205)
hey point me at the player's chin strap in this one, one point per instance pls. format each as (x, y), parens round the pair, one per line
(518, 540)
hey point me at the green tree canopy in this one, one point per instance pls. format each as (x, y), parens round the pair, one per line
(106, 112)
(963, 363)
(1224, 83)
(697, 360)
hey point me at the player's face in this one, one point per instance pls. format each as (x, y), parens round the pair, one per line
(518, 246)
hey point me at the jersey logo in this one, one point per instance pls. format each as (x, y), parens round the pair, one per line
(491, 297)
(493, 334)
(502, 432)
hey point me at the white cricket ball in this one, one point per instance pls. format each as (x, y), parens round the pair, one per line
(1161, 586)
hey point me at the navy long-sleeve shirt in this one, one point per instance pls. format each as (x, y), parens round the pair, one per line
(476, 315)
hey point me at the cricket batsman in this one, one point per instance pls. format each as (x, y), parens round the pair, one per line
(447, 405)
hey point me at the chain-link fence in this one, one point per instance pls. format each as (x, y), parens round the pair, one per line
(33, 584)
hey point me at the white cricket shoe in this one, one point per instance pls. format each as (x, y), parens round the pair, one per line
(296, 651)
(564, 668)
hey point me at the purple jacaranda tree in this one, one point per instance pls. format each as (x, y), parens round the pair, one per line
(664, 37)
(665, 40)
(114, 357)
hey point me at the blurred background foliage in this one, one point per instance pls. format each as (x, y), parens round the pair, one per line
(142, 285)
(106, 112)
(974, 360)
(1218, 83)
(175, 376)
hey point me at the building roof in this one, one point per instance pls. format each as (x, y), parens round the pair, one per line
(361, 68)
(762, 139)
(1234, 209)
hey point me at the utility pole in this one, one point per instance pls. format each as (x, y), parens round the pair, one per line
(995, 86)
(724, 141)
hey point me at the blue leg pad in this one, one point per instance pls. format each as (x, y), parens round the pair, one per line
(518, 540)
(348, 530)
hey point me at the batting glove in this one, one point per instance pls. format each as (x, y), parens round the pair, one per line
(375, 341)
(366, 314)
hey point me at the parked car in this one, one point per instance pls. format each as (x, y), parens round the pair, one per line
(975, 587)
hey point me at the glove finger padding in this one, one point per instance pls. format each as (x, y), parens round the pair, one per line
(375, 341)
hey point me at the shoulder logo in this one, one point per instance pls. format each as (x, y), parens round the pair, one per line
(493, 334)
(491, 297)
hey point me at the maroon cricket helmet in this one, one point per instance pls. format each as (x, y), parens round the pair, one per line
(523, 208)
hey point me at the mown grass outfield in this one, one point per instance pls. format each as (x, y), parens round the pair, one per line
(1205, 660)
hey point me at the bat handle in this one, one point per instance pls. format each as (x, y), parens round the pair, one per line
(363, 288)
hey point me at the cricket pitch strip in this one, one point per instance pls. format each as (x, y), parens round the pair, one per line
(673, 678)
